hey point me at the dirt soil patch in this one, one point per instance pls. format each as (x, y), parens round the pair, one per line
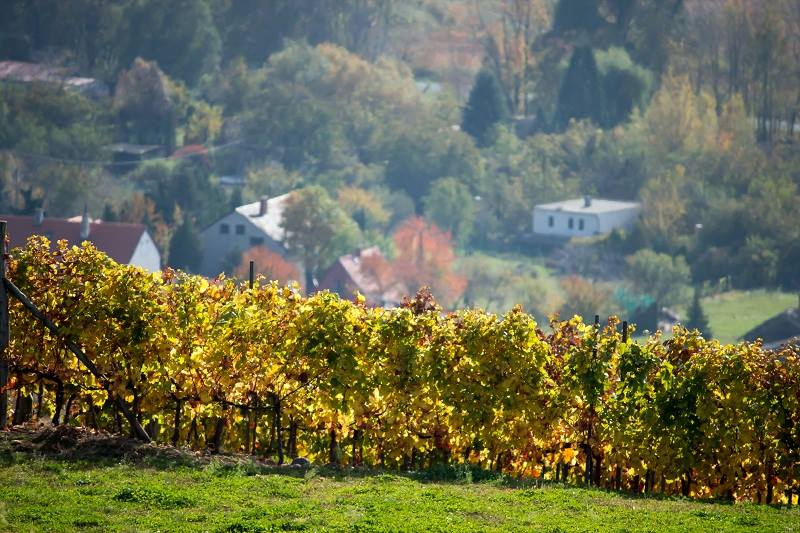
(72, 442)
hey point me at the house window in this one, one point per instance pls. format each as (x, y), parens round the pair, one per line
(224, 229)
(256, 241)
(580, 224)
(571, 223)
(239, 229)
(551, 221)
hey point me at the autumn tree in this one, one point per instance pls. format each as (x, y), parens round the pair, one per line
(363, 206)
(585, 298)
(317, 230)
(425, 257)
(144, 104)
(665, 208)
(139, 209)
(266, 263)
(507, 30)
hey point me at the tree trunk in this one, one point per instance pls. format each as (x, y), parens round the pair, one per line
(176, 427)
(68, 408)
(59, 403)
(596, 470)
(293, 427)
(686, 483)
(93, 416)
(278, 430)
(332, 455)
(192, 430)
(254, 437)
(39, 399)
(23, 409)
(769, 482)
(354, 460)
(246, 413)
(218, 431)
(587, 475)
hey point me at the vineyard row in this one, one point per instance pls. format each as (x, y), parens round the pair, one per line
(266, 370)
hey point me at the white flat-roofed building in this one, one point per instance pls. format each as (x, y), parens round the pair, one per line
(583, 217)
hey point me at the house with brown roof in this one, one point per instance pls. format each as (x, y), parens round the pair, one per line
(368, 272)
(129, 244)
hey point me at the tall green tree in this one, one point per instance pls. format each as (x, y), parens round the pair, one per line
(581, 94)
(660, 276)
(185, 248)
(451, 206)
(625, 85)
(697, 319)
(485, 107)
(417, 158)
(180, 35)
(317, 231)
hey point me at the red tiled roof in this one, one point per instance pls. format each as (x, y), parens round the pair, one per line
(191, 150)
(118, 240)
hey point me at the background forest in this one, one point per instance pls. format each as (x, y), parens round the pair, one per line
(451, 118)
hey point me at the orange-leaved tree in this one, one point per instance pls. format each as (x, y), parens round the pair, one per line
(268, 264)
(425, 257)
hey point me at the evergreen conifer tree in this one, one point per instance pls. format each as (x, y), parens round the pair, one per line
(697, 318)
(185, 249)
(236, 198)
(486, 106)
(581, 94)
(109, 215)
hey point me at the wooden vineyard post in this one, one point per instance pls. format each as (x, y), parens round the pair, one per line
(136, 426)
(248, 412)
(4, 329)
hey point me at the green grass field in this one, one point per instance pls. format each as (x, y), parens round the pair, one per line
(48, 494)
(732, 314)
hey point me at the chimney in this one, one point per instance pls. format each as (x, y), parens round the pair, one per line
(587, 201)
(262, 206)
(85, 223)
(38, 216)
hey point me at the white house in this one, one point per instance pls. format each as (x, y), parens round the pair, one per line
(583, 217)
(23, 73)
(254, 224)
(128, 244)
